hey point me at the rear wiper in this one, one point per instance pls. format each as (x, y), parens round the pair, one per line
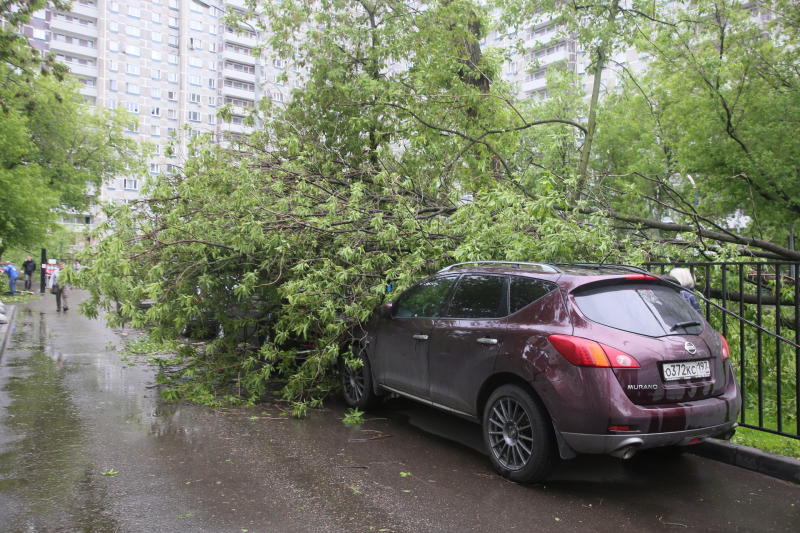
(685, 324)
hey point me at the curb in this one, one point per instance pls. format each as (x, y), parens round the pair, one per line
(760, 461)
(5, 329)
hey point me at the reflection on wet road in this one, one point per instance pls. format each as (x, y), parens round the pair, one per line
(87, 445)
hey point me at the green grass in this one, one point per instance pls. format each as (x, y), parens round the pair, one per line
(767, 442)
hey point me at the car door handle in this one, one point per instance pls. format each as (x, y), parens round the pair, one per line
(421, 337)
(486, 340)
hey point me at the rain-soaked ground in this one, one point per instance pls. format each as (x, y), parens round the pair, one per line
(87, 445)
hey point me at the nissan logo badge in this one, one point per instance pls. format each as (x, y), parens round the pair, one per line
(690, 347)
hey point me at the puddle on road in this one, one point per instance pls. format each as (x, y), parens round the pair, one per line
(46, 482)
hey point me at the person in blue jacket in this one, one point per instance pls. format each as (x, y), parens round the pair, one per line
(684, 277)
(11, 272)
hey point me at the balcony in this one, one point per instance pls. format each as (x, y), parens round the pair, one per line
(244, 40)
(73, 28)
(235, 128)
(238, 75)
(238, 93)
(87, 71)
(73, 49)
(88, 91)
(86, 11)
(239, 58)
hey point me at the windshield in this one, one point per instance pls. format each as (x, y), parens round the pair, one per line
(652, 310)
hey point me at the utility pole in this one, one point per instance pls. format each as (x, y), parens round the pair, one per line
(42, 268)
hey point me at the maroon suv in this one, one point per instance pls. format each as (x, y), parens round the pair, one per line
(552, 359)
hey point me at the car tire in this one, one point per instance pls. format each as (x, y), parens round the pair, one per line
(518, 435)
(357, 384)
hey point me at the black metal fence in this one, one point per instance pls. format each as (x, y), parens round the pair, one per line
(756, 305)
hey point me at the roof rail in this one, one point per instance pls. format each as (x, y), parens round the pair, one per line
(547, 267)
(630, 268)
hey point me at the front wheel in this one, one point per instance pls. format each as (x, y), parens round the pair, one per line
(518, 435)
(357, 384)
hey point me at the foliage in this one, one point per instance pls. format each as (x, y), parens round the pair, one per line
(353, 417)
(403, 152)
(52, 145)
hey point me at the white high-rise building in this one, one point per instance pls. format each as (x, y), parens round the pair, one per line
(170, 63)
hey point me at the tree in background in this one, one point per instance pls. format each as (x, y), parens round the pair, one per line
(53, 146)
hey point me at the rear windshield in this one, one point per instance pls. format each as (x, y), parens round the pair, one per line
(652, 310)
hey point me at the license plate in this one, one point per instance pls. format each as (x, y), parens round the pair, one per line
(686, 370)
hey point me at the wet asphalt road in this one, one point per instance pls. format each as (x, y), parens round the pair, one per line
(73, 406)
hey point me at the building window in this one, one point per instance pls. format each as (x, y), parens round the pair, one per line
(172, 114)
(133, 107)
(193, 116)
(195, 43)
(194, 79)
(155, 17)
(212, 119)
(212, 83)
(113, 66)
(155, 92)
(155, 111)
(173, 41)
(155, 74)
(172, 59)
(114, 6)
(155, 55)
(133, 69)
(39, 34)
(196, 25)
(172, 77)
(130, 184)
(133, 11)
(194, 98)
(132, 50)
(155, 130)
(156, 36)
(211, 100)
(113, 46)
(133, 31)
(112, 85)
(173, 22)
(132, 88)
(172, 95)
(172, 133)
(196, 62)
(113, 26)
(212, 47)
(238, 49)
(154, 168)
(173, 4)
(277, 96)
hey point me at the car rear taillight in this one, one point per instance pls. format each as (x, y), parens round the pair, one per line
(585, 352)
(726, 350)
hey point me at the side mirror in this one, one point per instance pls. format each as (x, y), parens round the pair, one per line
(386, 310)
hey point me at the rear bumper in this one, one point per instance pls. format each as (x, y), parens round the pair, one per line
(591, 443)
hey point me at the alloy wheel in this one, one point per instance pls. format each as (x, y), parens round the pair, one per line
(510, 433)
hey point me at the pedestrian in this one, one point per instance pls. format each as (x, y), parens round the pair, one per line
(11, 272)
(686, 281)
(28, 268)
(58, 287)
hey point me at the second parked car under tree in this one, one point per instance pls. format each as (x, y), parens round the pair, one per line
(552, 360)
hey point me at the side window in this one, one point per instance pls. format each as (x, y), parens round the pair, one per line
(479, 296)
(425, 300)
(527, 290)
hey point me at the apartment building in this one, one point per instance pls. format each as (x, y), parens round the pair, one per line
(170, 63)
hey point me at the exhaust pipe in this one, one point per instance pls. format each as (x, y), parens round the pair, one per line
(627, 448)
(625, 453)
